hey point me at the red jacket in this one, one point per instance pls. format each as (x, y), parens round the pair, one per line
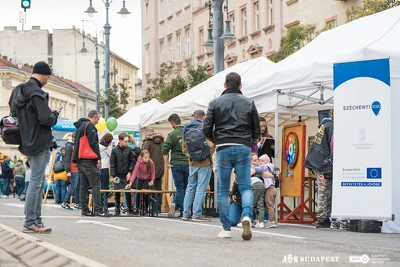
(141, 172)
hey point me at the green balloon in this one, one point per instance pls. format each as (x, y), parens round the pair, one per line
(112, 124)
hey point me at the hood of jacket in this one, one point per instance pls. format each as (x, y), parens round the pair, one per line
(191, 125)
(324, 120)
(23, 96)
(155, 138)
(18, 164)
(103, 146)
(80, 122)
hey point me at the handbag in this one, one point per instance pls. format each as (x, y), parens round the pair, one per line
(58, 167)
(85, 151)
(10, 130)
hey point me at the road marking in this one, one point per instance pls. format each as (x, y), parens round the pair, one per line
(235, 229)
(56, 217)
(104, 224)
(23, 205)
(61, 251)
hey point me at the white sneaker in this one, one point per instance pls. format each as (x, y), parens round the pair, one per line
(270, 224)
(239, 225)
(246, 225)
(260, 225)
(171, 212)
(225, 234)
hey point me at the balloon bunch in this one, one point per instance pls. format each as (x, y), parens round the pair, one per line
(111, 124)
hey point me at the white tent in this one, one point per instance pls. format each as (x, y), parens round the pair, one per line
(200, 96)
(303, 82)
(130, 121)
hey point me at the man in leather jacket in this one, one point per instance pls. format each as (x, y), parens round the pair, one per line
(232, 123)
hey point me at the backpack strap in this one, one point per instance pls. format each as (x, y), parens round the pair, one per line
(84, 132)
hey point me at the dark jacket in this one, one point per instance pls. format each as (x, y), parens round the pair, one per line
(173, 143)
(70, 167)
(91, 132)
(7, 170)
(320, 148)
(236, 192)
(122, 161)
(30, 105)
(154, 145)
(232, 118)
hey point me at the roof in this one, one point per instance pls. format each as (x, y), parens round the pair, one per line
(6, 63)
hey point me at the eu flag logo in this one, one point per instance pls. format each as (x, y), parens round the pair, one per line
(374, 173)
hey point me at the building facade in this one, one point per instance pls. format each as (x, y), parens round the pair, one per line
(61, 49)
(175, 30)
(76, 99)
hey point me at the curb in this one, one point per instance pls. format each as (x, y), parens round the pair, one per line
(34, 252)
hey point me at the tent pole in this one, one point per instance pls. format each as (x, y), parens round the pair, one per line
(276, 146)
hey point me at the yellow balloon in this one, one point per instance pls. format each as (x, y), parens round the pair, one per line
(101, 125)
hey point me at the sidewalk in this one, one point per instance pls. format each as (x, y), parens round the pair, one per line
(6, 260)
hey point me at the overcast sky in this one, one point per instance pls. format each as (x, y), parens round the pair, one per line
(125, 38)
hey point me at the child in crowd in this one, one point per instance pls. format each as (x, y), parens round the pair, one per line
(143, 175)
(257, 186)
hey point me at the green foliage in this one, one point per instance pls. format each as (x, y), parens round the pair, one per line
(169, 82)
(117, 104)
(294, 39)
(370, 7)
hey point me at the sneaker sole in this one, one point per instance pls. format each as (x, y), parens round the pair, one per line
(201, 220)
(30, 231)
(246, 235)
(171, 212)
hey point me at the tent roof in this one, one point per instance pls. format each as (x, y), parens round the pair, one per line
(304, 80)
(131, 119)
(200, 96)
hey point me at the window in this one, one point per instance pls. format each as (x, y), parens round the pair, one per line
(188, 44)
(244, 21)
(201, 38)
(256, 17)
(330, 24)
(162, 52)
(179, 5)
(179, 48)
(187, 3)
(161, 9)
(169, 7)
(171, 54)
(147, 15)
(147, 60)
(270, 13)
(232, 19)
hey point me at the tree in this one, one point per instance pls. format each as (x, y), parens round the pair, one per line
(117, 104)
(169, 82)
(370, 7)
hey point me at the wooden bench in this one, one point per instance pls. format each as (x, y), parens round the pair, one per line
(153, 206)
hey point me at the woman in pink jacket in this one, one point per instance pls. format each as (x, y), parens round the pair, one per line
(143, 175)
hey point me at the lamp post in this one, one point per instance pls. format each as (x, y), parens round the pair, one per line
(96, 61)
(107, 27)
(220, 38)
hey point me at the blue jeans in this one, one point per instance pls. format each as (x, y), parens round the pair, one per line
(72, 187)
(34, 194)
(20, 182)
(78, 191)
(61, 190)
(26, 187)
(180, 174)
(235, 212)
(198, 180)
(239, 158)
(6, 186)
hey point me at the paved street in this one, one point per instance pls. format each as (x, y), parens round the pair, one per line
(145, 241)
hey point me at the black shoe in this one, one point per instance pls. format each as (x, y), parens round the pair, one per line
(87, 213)
(103, 214)
(323, 224)
(117, 213)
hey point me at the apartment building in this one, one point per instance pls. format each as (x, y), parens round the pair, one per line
(61, 49)
(175, 30)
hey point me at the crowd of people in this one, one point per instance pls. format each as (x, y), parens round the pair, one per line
(230, 136)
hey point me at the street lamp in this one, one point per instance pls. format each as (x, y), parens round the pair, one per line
(124, 12)
(96, 61)
(220, 37)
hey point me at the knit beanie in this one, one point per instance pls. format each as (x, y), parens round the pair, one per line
(41, 68)
(265, 158)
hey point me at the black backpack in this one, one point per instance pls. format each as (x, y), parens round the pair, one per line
(9, 127)
(196, 143)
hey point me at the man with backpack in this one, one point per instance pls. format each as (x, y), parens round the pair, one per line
(29, 103)
(199, 152)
